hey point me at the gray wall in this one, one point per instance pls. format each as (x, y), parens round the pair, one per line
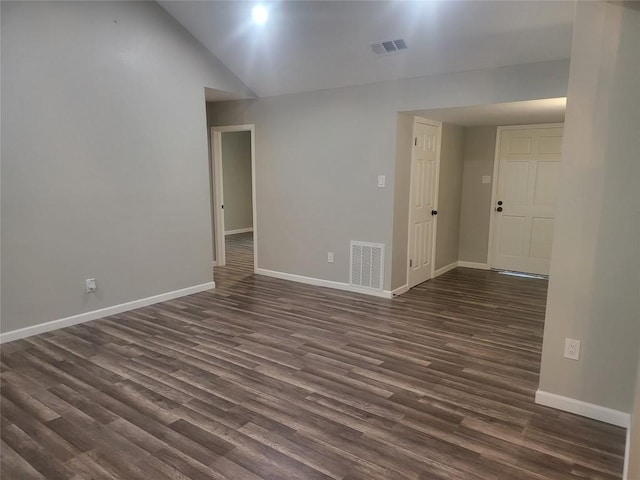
(104, 157)
(402, 182)
(236, 168)
(318, 156)
(475, 212)
(449, 195)
(595, 265)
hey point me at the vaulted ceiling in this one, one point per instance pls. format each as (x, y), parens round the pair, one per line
(315, 45)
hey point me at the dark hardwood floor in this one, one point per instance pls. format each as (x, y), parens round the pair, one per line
(267, 379)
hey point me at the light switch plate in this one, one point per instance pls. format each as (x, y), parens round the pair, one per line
(381, 181)
(486, 179)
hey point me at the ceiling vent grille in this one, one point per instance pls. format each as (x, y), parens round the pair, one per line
(389, 46)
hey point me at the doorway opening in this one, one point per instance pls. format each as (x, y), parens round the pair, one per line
(234, 200)
(466, 192)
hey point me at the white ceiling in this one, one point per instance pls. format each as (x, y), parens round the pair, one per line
(314, 45)
(549, 110)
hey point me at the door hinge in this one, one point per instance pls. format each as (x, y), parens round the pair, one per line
(415, 141)
(411, 263)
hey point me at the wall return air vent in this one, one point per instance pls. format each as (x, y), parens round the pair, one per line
(389, 46)
(367, 265)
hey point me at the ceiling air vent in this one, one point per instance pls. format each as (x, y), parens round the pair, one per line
(389, 46)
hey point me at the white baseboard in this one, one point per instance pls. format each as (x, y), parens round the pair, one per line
(103, 312)
(597, 412)
(319, 282)
(627, 455)
(239, 230)
(445, 269)
(400, 290)
(479, 266)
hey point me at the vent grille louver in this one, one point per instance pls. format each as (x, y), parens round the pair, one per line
(367, 265)
(389, 46)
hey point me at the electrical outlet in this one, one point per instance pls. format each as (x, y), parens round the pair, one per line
(90, 285)
(572, 349)
(330, 257)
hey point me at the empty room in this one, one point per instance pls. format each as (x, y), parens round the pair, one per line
(349, 240)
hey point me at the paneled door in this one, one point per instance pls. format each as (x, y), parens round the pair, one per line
(423, 198)
(525, 201)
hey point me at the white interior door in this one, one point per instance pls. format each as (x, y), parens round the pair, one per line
(423, 197)
(525, 201)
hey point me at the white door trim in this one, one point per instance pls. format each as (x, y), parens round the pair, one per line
(494, 181)
(438, 125)
(217, 193)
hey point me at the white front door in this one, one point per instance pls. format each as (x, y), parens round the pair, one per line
(525, 203)
(422, 206)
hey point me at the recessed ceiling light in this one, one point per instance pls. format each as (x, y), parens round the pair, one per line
(259, 14)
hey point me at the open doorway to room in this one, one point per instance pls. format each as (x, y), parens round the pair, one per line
(476, 167)
(233, 200)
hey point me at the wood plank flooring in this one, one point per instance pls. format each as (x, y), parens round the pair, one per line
(264, 379)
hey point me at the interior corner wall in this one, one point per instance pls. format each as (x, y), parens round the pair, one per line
(104, 157)
(475, 210)
(402, 181)
(595, 265)
(449, 195)
(236, 178)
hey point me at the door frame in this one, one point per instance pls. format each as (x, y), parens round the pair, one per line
(494, 180)
(217, 190)
(438, 125)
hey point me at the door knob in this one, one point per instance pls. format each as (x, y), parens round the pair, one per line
(499, 209)
(434, 212)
